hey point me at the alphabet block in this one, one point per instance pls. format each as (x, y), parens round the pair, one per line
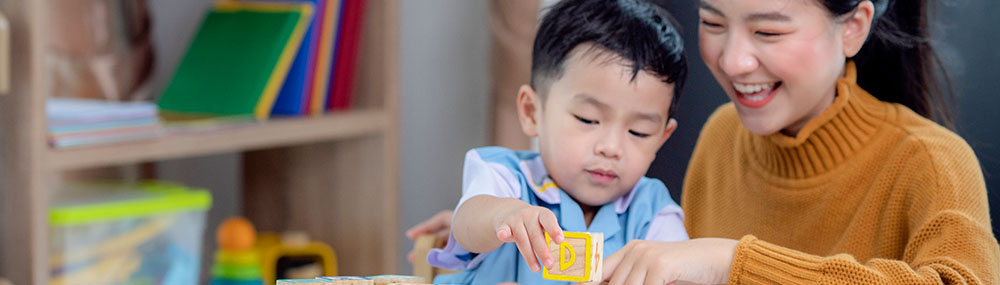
(579, 258)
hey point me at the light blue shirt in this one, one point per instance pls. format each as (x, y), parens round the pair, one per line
(646, 212)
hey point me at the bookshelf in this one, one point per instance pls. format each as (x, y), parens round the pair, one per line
(334, 177)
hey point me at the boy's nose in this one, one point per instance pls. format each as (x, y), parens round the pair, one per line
(609, 146)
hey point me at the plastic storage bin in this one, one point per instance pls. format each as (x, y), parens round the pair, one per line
(108, 233)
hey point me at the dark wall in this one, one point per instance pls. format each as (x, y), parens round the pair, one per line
(966, 32)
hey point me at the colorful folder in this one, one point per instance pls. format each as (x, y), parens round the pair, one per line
(293, 100)
(346, 59)
(239, 59)
(324, 57)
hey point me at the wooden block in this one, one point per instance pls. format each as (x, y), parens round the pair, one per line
(578, 258)
(302, 281)
(348, 280)
(396, 279)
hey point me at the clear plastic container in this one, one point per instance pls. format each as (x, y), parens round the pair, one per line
(112, 233)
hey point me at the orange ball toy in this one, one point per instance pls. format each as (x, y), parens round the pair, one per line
(236, 234)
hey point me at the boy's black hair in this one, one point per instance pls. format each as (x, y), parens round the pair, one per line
(639, 32)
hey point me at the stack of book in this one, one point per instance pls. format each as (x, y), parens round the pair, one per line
(255, 59)
(81, 122)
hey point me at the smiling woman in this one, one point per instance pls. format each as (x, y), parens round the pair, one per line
(827, 166)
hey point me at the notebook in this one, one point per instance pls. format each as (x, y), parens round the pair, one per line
(346, 58)
(324, 59)
(293, 99)
(238, 60)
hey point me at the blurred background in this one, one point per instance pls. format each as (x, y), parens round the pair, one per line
(433, 79)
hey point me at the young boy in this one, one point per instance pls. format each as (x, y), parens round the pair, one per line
(604, 75)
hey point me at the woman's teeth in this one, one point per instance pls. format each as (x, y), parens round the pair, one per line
(752, 88)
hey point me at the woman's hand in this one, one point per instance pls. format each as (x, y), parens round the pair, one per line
(439, 224)
(701, 261)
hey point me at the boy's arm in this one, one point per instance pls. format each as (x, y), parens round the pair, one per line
(474, 222)
(484, 222)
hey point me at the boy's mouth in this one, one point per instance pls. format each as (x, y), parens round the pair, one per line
(602, 176)
(756, 95)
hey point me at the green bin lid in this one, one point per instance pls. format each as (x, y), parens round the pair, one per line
(95, 202)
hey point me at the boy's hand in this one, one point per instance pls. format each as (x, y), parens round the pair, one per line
(526, 226)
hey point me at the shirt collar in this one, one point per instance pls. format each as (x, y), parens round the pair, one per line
(546, 189)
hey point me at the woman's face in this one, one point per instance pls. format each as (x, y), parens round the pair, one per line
(778, 60)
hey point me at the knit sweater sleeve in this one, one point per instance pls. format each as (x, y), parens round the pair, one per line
(950, 240)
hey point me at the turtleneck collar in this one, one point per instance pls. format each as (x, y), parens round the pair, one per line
(827, 140)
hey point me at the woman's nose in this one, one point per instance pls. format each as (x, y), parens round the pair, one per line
(738, 56)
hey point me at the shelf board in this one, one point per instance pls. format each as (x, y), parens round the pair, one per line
(226, 139)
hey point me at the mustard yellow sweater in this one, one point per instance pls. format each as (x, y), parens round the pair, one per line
(868, 192)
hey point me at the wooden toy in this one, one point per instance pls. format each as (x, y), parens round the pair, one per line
(421, 247)
(347, 280)
(394, 279)
(303, 281)
(579, 257)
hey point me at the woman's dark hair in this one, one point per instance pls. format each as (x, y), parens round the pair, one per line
(641, 33)
(898, 63)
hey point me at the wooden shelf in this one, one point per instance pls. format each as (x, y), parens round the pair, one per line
(225, 139)
(334, 177)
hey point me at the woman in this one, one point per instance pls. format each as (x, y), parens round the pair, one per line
(826, 168)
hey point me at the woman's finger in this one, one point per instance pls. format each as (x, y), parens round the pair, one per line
(637, 274)
(611, 263)
(623, 268)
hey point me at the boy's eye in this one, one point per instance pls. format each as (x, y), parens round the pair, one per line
(585, 121)
(638, 134)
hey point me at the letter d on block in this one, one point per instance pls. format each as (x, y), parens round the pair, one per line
(589, 247)
(563, 248)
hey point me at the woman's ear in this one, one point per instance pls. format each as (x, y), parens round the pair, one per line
(529, 108)
(857, 27)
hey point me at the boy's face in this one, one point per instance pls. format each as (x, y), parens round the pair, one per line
(598, 129)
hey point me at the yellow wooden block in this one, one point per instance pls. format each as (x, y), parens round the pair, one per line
(578, 258)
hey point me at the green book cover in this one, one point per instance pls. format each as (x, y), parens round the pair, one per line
(238, 60)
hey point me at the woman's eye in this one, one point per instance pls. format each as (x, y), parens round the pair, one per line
(710, 24)
(638, 134)
(768, 34)
(585, 121)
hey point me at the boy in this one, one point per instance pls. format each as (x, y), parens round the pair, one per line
(604, 73)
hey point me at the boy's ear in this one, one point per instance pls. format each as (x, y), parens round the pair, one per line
(529, 108)
(668, 131)
(857, 28)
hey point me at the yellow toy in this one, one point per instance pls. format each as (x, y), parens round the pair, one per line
(246, 257)
(579, 257)
(274, 249)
